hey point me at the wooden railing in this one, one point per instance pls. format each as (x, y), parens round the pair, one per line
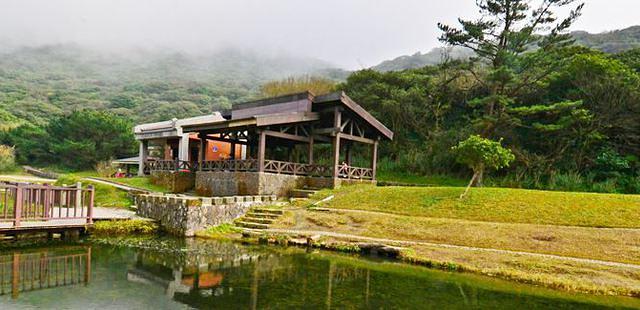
(349, 172)
(272, 166)
(170, 165)
(20, 202)
(23, 272)
(229, 165)
(284, 167)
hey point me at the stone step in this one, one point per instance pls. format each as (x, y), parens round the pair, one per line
(262, 215)
(268, 210)
(252, 225)
(302, 193)
(258, 220)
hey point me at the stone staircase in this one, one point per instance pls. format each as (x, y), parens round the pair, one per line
(303, 192)
(259, 218)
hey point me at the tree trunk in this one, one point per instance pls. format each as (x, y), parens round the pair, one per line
(473, 179)
(480, 177)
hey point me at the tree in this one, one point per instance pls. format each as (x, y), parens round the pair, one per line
(478, 154)
(83, 138)
(503, 38)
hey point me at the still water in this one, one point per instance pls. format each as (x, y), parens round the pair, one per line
(164, 273)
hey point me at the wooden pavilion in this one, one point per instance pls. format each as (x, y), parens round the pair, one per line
(289, 141)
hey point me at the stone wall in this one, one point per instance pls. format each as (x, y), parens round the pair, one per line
(217, 183)
(185, 216)
(175, 181)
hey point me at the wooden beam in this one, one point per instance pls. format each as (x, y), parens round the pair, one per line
(356, 138)
(287, 136)
(227, 140)
(262, 139)
(374, 159)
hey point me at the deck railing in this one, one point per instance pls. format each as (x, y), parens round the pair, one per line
(20, 202)
(349, 172)
(229, 165)
(23, 272)
(284, 167)
(271, 166)
(170, 165)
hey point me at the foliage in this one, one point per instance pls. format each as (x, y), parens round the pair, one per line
(79, 140)
(105, 169)
(7, 158)
(316, 85)
(124, 227)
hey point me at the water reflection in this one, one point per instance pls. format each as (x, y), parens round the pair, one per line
(37, 270)
(179, 274)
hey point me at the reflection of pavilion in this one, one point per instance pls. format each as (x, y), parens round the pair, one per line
(24, 272)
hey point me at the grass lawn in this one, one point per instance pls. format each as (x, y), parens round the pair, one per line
(106, 196)
(583, 242)
(403, 177)
(493, 205)
(140, 182)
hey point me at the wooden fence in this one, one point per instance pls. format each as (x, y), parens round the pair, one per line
(272, 166)
(20, 202)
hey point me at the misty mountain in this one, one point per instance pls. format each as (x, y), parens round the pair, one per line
(37, 83)
(608, 42)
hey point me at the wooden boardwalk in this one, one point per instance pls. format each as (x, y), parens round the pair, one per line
(28, 207)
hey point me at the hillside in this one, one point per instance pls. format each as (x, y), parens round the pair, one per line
(38, 83)
(609, 42)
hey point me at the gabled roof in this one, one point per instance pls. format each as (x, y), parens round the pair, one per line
(342, 98)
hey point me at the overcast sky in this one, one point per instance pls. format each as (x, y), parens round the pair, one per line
(348, 33)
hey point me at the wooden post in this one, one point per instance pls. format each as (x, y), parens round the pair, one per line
(142, 156)
(203, 149)
(78, 196)
(348, 153)
(310, 154)
(17, 209)
(233, 150)
(374, 159)
(92, 195)
(262, 139)
(337, 120)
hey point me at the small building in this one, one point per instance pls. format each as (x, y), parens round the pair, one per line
(267, 146)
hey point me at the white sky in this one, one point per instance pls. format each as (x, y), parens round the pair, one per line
(348, 33)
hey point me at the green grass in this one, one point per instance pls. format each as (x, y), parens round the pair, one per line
(403, 177)
(124, 227)
(140, 182)
(494, 205)
(105, 196)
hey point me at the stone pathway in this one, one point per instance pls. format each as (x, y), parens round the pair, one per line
(100, 213)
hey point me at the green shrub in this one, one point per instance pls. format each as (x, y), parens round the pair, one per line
(7, 158)
(126, 227)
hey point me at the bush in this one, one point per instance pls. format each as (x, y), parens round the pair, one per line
(105, 169)
(126, 227)
(7, 158)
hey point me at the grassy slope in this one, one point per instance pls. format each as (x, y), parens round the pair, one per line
(106, 196)
(139, 182)
(495, 205)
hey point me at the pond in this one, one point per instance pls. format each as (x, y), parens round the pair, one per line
(166, 273)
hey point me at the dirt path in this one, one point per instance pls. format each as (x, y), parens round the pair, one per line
(24, 178)
(440, 245)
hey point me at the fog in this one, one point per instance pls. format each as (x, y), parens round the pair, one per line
(347, 33)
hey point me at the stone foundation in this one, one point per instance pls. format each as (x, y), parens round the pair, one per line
(175, 181)
(185, 216)
(218, 183)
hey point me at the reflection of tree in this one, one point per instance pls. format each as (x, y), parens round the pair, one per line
(24, 272)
